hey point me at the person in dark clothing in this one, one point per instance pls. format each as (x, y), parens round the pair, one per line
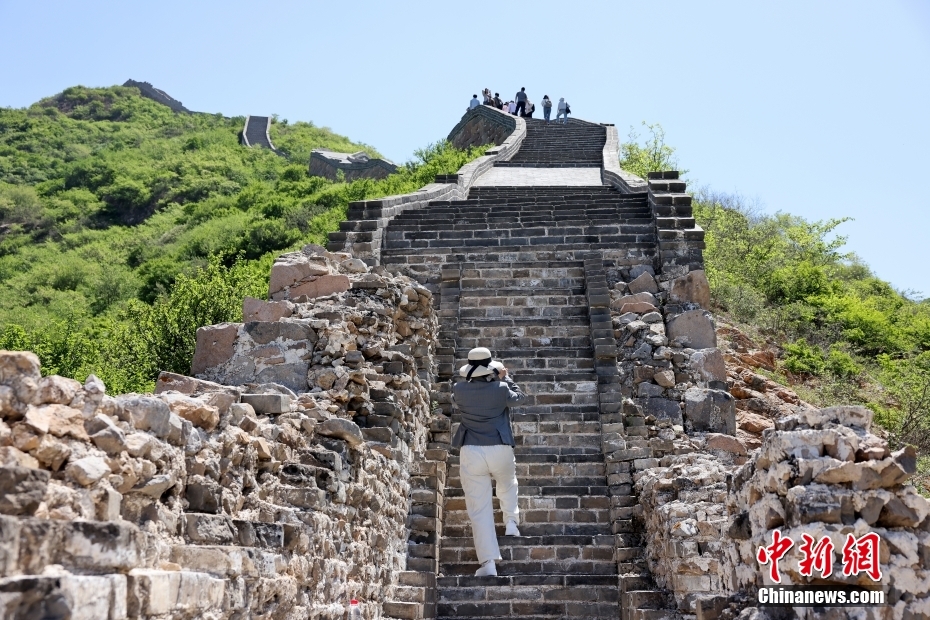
(486, 440)
(497, 101)
(521, 102)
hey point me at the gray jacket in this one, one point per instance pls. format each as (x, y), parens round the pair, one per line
(485, 414)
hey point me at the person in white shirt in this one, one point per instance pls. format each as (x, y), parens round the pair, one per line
(512, 107)
(562, 111)
(474, 102)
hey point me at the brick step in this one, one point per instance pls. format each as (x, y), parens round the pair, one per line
(557, 412)
(529, 297)
(547, 459)
(541, 480)
(540, 210)
(504, 289)
(454, 556)
(553, 580)
(528, 331)
(516, 567)
(517, 322)
(565, 196)
(539, 472)
(528, 610)
(511, 228)
(541, 369)
(533, 529)
(632, 240)
(582, 343)
(496, 271)
(522, 312)
(497, 220)
(636, 253)
(514, 542)
(555, 490)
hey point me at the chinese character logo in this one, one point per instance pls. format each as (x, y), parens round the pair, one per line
(861, 556)
(819, 556)
(774, 552)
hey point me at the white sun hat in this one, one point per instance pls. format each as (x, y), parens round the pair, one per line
(479, 364)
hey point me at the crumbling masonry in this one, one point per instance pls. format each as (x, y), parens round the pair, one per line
(306, 459)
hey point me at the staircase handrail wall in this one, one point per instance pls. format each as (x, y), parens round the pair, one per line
(362, 233)
(245, 130)
(268, 134)
(612, 173)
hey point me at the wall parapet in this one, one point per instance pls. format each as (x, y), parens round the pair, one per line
(362, 234)
(612, 173)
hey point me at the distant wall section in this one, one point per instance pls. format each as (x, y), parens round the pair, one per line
(155, 94)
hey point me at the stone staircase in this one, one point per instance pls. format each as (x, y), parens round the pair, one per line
(533, 316)
(521, 270)
(575, 144)
(255, 132)
(505, 223)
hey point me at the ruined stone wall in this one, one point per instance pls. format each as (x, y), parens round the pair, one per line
(820, 473)
(250, 499)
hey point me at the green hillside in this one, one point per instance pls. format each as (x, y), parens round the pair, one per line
(845, 336)
(113, 208)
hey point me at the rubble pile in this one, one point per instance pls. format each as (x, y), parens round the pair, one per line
(824, 474)
(275, 484)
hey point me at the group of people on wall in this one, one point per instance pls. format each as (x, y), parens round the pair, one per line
(521, 105)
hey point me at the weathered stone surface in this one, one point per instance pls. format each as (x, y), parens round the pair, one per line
(13, 457)
(292, 268)
(645, 283)
(320, 287)
(693, 328)
(753, 422)
(193, 410)
(215, 346)
(665, 378)
(662, 408)
(61, 420)
(268, 403)
(18, 365)
(692, 288)
(725, 443)
(88, 470)
(637, 307)
(21, 489)
(710, 410)
(342, 429)
(709, 365)
(266, 311)
(56, 390)
(173, 382)
(147, 413)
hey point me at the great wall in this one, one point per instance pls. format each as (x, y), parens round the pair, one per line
(306, 460)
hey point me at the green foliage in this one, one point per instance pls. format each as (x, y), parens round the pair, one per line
(802, 358)
(652, 156)
(117, 213)
(906, 410)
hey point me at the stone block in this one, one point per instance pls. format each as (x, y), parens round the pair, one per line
(710, 410)
(155, 592)
(292, 268)
(268, 403)
(257, 310)
(216, 345)
(210, 529)
(339, 428)
(27, 597)
(644, 283)
(692, 288)
(87, 470)
(662, 409)
(708, 365)
(95, 597)
(693, 328)
(320, 287)
(22, 489)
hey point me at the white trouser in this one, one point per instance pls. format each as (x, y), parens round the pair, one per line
(477, 465)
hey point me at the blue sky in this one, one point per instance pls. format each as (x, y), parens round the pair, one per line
(813, 108)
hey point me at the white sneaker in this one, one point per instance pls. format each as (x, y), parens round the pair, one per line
(488, 569)
(511, 529)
